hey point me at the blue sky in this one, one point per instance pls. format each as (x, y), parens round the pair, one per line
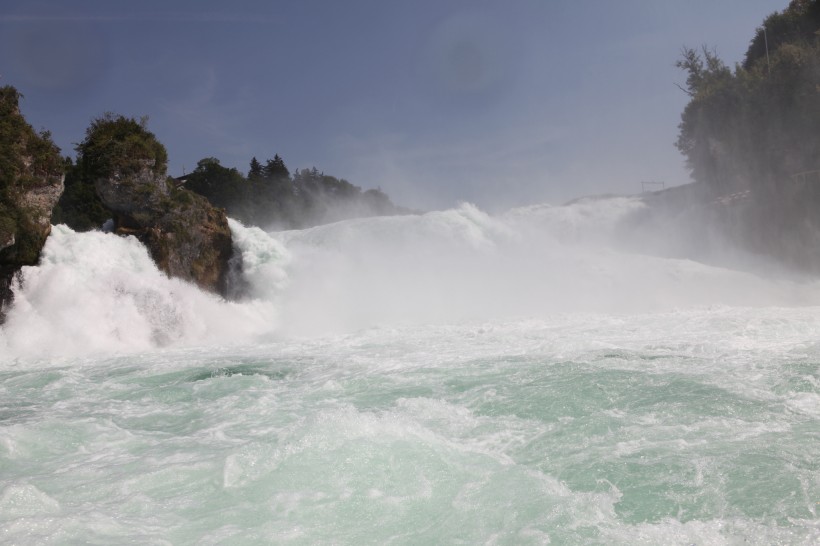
(436, 102)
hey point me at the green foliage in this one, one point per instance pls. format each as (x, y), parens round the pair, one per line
(223, 187)
(12, 137)
(271, 196)
(25, 156)
(116, 145)
(27, 160)
(255, 171)
(274, 169)
(795, 25)
(181, 197)
(757, 125)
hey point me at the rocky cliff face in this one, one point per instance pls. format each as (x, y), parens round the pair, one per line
(27, 220)
(31, 182)
(186, 236)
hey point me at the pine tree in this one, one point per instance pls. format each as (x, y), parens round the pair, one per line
(255, 171)
(275, 169)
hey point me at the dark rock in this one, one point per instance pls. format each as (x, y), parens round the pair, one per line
(186, 236)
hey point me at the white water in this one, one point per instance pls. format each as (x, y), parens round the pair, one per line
(445, 378)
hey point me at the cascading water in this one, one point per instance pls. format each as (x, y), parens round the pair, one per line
(453, 377)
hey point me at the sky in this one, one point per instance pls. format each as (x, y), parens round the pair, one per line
(436, 102)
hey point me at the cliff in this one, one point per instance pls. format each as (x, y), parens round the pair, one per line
(31, 182)
(186, 236)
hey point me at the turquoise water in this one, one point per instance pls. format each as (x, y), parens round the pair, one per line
(443, 379)
(699, 427)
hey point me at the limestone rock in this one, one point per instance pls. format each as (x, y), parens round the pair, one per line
(186, 236)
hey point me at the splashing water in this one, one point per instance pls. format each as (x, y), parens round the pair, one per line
(446, 378)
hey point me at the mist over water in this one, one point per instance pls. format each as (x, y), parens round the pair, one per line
(532, 262)
(99, 292)
(547, 375)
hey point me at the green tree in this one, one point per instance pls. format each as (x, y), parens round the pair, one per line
(756, 126)
(255, 170)
(275, 169)
(28, 161)
(114, 145)
(796, 24)
(224, 187)
(119, 145)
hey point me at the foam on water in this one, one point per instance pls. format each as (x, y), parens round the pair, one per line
(96, 292)
(446, 378)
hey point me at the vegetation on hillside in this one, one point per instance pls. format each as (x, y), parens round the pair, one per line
(28, 160)
(114, 145)
(751, 137)
(270, 195)
(758, 124)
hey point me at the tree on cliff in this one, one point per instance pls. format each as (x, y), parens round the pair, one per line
(756, 125)
(118, 144)
(31, 173)
(112, 144)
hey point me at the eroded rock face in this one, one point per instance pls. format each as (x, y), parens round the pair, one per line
(186, 236)
(22, 240)
(40, 199)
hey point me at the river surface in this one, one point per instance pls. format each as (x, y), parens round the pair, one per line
(451, 378)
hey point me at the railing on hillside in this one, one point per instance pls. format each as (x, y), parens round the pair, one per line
(806, 176)
(651, 185)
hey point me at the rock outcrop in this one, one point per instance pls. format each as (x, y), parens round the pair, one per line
(186, 236)
(31, 182)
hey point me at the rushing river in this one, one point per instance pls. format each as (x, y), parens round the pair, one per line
(451, 378)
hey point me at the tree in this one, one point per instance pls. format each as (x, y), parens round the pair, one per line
(275, 169)
(223, 187)
(796, 24)
(756, 126)
(31, 169)
(119, 145)
(114, 146)
(255, 170)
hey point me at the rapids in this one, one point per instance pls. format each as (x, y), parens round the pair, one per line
(453, 377)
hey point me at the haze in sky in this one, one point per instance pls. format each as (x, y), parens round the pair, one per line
(495, 103)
